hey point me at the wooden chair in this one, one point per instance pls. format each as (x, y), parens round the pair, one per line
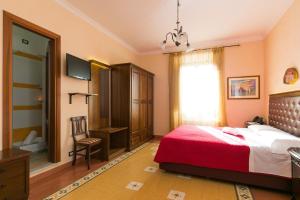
(79, 129)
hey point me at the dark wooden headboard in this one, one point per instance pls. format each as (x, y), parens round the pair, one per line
(284, 112)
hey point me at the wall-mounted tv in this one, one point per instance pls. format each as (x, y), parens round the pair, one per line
(78, 68)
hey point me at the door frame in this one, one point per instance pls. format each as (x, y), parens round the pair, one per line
(55, 78)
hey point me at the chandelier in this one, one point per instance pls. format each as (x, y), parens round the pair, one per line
(179, 37)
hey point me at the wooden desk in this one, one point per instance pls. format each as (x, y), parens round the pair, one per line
(14, 174)
(114, 140)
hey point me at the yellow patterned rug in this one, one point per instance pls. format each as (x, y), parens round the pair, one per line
(135, 175)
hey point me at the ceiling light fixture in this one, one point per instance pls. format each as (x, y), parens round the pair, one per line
(179, 37)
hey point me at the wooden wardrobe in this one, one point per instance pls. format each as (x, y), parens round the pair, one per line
(132, 102)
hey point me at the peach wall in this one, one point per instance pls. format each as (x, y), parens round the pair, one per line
(81, 39)
(78, 38)
(282, 50)
(246, 60)
(158, 64)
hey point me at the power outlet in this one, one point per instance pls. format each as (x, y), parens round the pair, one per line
(71, 153)
(24, 41)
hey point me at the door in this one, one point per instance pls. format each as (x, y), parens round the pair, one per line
(25, 95)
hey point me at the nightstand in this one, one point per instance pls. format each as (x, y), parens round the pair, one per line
(295, 156)
(248, 123)
(14, 174)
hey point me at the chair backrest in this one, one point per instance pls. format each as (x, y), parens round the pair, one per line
(79, 126)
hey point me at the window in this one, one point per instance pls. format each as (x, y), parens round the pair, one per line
(199, 92)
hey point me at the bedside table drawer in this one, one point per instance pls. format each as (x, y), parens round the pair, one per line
(14, 174)
(296, 169)
(10, 170)
(296, 188)
(296, 178)
(13, 188)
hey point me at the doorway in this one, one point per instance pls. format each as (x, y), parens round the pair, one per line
(31, 90)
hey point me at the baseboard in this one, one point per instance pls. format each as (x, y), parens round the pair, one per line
(54, 170)
(158, 137)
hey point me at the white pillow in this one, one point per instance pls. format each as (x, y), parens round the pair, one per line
(281, 145)
(257, 128)
(30, 138)
(38, 140)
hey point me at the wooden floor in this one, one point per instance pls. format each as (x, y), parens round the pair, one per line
(262, 194)
(41, 186)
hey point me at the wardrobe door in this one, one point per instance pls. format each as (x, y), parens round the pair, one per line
(98, 114)
(150, 82)
(135, 108)
(143, 105)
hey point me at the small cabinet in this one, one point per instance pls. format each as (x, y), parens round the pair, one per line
(295, 156)
(14, 174)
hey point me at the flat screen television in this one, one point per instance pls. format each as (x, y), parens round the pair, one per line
(78, 68)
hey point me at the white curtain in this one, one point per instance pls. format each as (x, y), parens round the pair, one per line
(199, 89)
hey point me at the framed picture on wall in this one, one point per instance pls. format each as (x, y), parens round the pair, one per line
(291, 76)
(243, 87)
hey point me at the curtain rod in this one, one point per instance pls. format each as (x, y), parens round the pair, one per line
(226, 46)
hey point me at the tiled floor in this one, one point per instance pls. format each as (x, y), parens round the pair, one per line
(43, 187)
(126, 178)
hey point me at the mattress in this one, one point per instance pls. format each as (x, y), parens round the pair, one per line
(261, 159)
(210, 147)
(205, 147)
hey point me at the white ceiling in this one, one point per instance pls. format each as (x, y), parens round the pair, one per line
(142, 24)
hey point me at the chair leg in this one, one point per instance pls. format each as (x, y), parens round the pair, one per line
(89, 156)
(100, 152)
(86, 155)
(74, 155)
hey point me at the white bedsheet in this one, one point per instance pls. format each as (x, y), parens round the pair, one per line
(261, 159)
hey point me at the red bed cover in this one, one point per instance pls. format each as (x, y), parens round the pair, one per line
(194, 146)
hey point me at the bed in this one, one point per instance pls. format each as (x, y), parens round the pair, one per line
(230, 156)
